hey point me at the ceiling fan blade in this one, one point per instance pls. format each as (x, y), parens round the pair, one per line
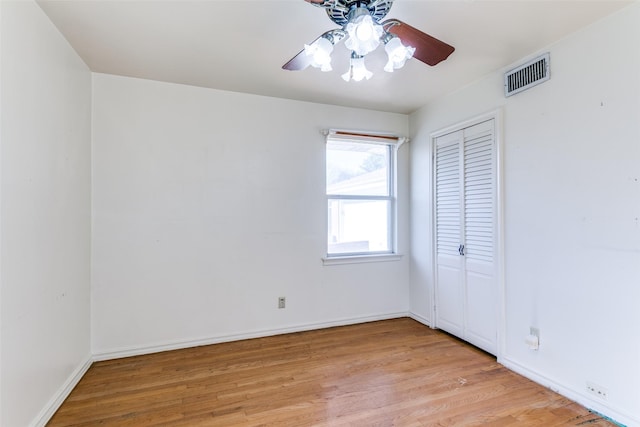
(298, 62)
(429, 50)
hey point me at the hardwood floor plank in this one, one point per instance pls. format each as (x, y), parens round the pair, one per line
(389, 373)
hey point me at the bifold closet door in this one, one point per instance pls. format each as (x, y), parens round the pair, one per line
(449, 263)
(465, 206)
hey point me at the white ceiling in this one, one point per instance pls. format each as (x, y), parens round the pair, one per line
(241, 45)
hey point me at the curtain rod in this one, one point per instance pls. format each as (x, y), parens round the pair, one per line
(399, 139)
(366, 135)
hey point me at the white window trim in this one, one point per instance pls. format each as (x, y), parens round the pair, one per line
(360, 259)
(395, 142)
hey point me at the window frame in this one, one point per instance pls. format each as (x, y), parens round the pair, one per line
(391, 143)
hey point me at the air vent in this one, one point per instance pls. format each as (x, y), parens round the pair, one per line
(527, 75)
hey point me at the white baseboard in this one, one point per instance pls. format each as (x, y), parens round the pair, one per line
(176, 345)
(52, 406)
(615, 414)
(420, 319)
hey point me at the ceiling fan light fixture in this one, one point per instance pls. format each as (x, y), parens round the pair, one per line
(364, 33)
(397, 54)
(361, 24)
(320, 53)
(357, 70)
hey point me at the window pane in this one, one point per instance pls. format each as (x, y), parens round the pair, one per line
(358, 226)
(357, 169)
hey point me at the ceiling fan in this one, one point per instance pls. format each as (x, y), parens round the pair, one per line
(360, 23)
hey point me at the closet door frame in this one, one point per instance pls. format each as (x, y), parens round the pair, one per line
(496, 115)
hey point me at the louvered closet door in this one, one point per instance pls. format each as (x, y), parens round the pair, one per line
(449, 292)
(466, 288)
(479, 236)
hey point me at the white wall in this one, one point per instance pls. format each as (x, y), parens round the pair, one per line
(571, 213)
(45, 216)
(209, 205)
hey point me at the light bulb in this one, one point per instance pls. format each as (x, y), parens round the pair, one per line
(364, 34)
(364, 30)
(397, 53)
(357, 70)
(320, 53)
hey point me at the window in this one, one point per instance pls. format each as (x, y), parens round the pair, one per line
(360, 195)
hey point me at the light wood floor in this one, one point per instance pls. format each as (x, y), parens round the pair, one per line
(389, 373)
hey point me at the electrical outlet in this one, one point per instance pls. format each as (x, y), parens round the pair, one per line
(282, 302)
(597, 390)
(533, 339)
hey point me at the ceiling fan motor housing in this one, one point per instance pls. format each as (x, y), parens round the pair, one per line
(341, 11)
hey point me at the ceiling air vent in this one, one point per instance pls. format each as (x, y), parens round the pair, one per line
(527, 75)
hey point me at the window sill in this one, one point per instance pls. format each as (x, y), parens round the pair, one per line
(358, 259)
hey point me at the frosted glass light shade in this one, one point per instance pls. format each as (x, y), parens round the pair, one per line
(364, 35)
(397, 53)
(357, 71)
(320, 53)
